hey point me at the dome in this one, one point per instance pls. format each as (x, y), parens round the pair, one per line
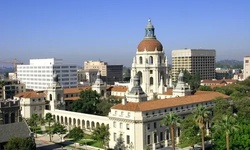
(150, 45)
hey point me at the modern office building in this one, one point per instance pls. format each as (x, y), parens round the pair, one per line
(9, 88)
(39, 73)
(99, 65)
(200, 61)
(114, 73)
(246, 67)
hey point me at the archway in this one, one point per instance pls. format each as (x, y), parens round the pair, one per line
(74, 122)
(62, 119)
(83, 124)
(66, 120)
(57, 118)
(78, 122)
(88, 125)
(92, 125)
(97, 124)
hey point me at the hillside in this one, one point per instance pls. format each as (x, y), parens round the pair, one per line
(229, 64)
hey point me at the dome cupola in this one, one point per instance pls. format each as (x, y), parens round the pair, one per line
(149, 43)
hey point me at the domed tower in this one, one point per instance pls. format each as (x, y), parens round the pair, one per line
(99, 86)
(150, 62)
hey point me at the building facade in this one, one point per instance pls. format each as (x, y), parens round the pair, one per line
(39, 73)
(200, 61)
(9, 111)
(10, 88)
(246, 67)
(99, 65)
(114, 73)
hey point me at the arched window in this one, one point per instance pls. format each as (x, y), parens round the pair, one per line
(140, 76)
(160, 59)
(150, 60)
(50, 97)
(151, 82)
(140, 60)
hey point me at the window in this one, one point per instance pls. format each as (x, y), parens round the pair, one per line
(114, 124)
(155, 138)
(151, 82)
(161, 136)
(128, 114)
(148, 139)
(128, 139)
(246, 61)
(148, 126)
(114, 136)
(140, 60)
(155, 125)
(151, 71)
(150, 60)
(127, 126)
(120, 125)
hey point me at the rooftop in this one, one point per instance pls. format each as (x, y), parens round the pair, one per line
(199, 97)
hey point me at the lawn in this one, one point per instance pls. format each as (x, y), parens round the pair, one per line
(88, 140)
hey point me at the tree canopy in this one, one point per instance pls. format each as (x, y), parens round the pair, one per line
(18, 143)
(87, 103)
(76, 133)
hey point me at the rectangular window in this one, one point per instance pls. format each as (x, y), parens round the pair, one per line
(161, 136)
(148, 139)
(127, 126)
(114, 136)
(114, 124)
(155, 138)
(120, 125)
(148, 126)
(155, 125)
(128, 139)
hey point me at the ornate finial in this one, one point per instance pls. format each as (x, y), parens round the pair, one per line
(149, 20)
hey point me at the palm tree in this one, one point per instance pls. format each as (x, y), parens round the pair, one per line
(228, 125)
(49, 119)
(201, 116)
(171, 120)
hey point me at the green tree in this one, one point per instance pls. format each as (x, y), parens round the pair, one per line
(87, 103)
(49, 119)
(104, 107)
(171, 120)
(102, 133)
(33, 122)
(58, 128)
(18, 143)
(228, 125)
(222, 107)
(192, 79)
(119, 144)
(189, 132)
(205, 88)
(76, 133)
(201, 116)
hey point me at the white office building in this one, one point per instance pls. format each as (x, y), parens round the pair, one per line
(38, 75)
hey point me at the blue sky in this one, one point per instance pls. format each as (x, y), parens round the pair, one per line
(110, 30)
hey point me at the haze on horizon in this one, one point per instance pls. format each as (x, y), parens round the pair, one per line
(77, 31)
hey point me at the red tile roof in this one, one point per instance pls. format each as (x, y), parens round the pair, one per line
(31, 94)
(75, 90)
(119, 89)
(203, 96)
